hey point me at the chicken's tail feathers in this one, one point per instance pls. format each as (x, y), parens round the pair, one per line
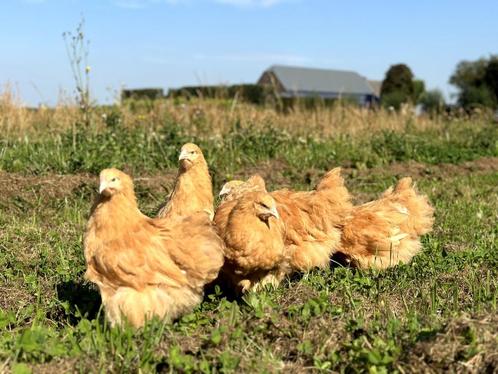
(371, 241)
(420, 213)
(385, 232)
(331, 179)
(403, 184)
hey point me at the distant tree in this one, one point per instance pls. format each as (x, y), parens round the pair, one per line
(418, 90)
(432, 101)
(393, 100)
(398, 86)
(469, 74)
(477, 82)
(491, 76)
(481, 96)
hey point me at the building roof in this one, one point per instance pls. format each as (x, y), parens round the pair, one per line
(299, 79)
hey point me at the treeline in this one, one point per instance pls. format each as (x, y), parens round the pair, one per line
(477, 83)
(251, 93)
(400, 87)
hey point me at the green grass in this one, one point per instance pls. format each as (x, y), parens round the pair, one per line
(143, 149)
(437, 314)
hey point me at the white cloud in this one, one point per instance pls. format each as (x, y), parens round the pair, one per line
(139, 4)
(271, 58)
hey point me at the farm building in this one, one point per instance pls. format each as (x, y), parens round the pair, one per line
(299, 82)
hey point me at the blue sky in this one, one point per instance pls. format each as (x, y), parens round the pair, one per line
(170, 43)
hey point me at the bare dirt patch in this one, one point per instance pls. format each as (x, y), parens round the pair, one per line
(14, 295)
(272, 172)
(50, 186)
(418, 169)
(41, 189)
(68, 365)
(21, 192)
(55, 186)
(464, 345)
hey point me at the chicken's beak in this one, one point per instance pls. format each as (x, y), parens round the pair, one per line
(225, 190)
(183, 155)
(274, 212)
(103, 186)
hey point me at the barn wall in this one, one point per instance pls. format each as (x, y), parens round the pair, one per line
(269, 79)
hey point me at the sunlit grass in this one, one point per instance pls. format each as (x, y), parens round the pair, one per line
(338, 319)
(438, 313)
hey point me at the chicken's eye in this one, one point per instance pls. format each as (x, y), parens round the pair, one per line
(114, 179)
(264, 205)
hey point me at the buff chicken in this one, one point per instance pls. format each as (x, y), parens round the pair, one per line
(143, 266)
(193, 190)
(308, 224)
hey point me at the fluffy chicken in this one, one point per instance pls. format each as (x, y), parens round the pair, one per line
(308, 225)
(193, 191)
(387, 231)
(317, 224)
(253, 233)
(143, 266)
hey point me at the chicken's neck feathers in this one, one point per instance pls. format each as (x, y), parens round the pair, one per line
(116, 214)
(192, 183)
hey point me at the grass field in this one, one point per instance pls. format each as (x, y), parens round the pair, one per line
(438, 314)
